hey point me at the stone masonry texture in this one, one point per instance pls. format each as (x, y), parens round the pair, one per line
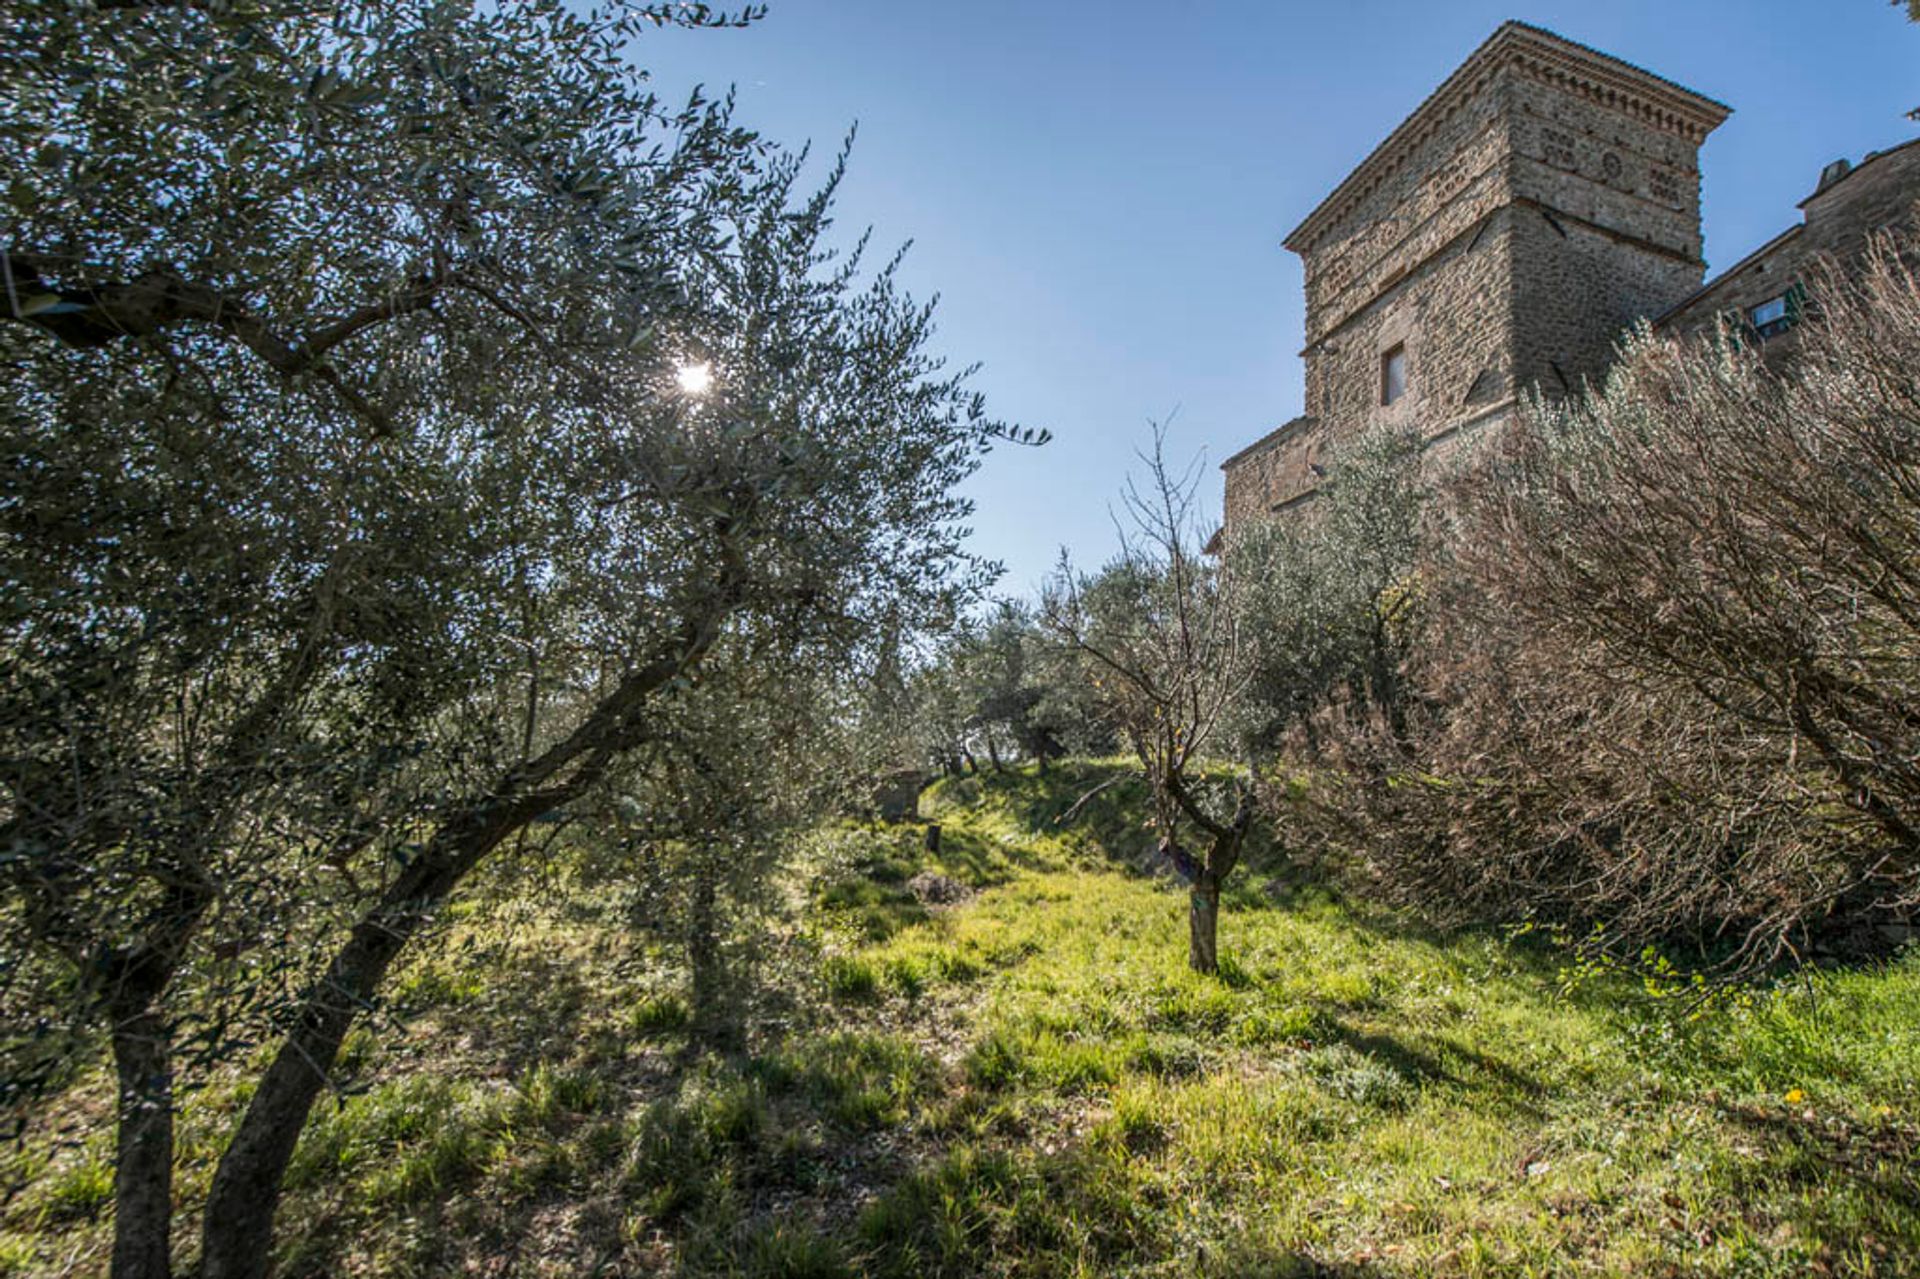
(1840, 217)
(1543, 200)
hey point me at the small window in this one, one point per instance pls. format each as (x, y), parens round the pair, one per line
(1774, 316)
(1393, 374)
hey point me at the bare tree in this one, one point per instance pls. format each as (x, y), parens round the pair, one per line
(1158, 634)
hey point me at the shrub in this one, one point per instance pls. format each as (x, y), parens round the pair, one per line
(1673, 650)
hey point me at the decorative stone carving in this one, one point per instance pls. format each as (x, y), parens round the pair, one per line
(1557, 149)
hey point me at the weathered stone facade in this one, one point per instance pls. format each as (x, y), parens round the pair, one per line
(1540, 201)
(1761, 294)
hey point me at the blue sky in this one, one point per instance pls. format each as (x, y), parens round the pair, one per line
(1097, 191)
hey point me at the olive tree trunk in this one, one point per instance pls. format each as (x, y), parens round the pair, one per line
(237, 1228)
(1203, 924)
(134, 982)
(237, 1231)
(716, 1013)
(143, 1149)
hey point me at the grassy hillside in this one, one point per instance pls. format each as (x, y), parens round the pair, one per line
(1029, 1081)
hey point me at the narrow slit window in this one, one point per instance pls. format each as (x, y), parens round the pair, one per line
(1393, 374)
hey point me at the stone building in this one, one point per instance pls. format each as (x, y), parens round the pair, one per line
(1543, 199)
(1764, 291)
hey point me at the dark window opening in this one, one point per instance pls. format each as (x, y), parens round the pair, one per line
(1776, 315)
(1393, 374)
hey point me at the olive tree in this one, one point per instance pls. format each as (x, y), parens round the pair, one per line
(1006, 695)
(1329, 600)
(998, 684)
(1015, 692)
(1158, 634)
(361, 507)
(701, 819)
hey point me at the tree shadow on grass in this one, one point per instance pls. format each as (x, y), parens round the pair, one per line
(1530, 957)
(982, 861)
(1079, 1207)
(1809, 1150)
(1450, 1062)
(816, 1158)
(463, 1132)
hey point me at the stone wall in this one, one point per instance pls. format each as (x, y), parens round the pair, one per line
(1606, 231)
(1266, 475)
(1455, 177)
(1454, 318)
(1837, 221)
(1421, 263)
(1604, 165)
(1578, 288)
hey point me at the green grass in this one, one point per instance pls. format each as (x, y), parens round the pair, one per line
(657, 1015)
(82, 1189)
(1031, 1082)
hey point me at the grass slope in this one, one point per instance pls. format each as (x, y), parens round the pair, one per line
(1030, 1082)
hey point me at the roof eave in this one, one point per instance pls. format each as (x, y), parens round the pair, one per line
(1271, 438)
(1510, 39)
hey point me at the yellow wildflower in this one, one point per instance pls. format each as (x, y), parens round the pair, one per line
(1794, 1097)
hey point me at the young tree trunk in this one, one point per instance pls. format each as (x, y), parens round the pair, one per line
(1203, 924)
(993, 754)
(1223, 854)
(143, 1151)
(134, 982)
(716, 1024)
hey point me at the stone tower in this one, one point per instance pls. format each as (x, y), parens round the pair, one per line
(1543, 199)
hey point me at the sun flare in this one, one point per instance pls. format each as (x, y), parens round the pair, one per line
(695, 379)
